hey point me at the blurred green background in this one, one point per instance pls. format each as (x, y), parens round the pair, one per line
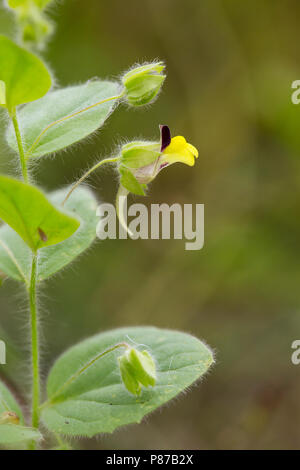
(230, 68)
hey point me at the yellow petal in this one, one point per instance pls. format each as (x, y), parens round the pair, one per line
(184, 156)
(193, 150)
(179, 151)
(177, 145)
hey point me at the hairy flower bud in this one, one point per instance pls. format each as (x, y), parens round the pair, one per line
(137, 369)
(142, 84)
(34, 25)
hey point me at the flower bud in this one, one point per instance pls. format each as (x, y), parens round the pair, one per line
(137, 369)
(34, 25)
(143, 83)
(9, 417)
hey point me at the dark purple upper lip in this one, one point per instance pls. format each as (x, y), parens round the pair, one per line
(165, 137)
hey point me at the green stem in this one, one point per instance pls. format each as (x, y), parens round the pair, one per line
(65, 118)
(20, 145)
(106, 160)
(34, 345)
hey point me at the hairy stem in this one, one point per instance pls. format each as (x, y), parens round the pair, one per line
(20, 145)
(106, 160)
(65, 118)
(34, 344)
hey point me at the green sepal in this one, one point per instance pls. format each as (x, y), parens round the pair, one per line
(139, 154)
(144, 367)
(129, 182)
(144, 89)
(156, 67)
(129, 380)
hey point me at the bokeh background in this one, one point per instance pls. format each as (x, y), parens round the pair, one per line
(230, 69)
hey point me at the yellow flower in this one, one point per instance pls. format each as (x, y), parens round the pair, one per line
(179, 150)
(141, 161)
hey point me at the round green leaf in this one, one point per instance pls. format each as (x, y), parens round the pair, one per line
(15, 256)
(25, 76)
(26, 210)
(53, 122)
(96, 400)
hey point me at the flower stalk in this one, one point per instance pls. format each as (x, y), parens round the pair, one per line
(87, 174)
